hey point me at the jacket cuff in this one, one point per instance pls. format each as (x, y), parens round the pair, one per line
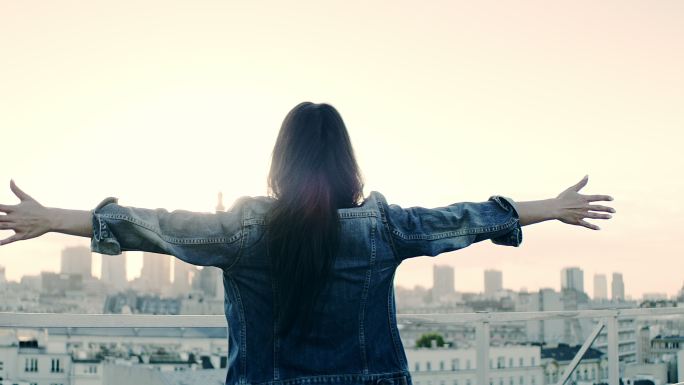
(103, 240)
(514, 235)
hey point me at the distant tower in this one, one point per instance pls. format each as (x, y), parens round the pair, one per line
(600, 287)
(114, 271)
(493, 282)
(617, 288)
(77, 260)
(443, 282)
(219, 205)
(3, 279)
(572, 278)
(156, 272)
(182, 272)
(211, 278)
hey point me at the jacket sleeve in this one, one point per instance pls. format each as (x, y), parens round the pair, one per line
(202, 239)
(419, 231)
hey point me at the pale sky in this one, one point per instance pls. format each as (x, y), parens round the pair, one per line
(165, 103)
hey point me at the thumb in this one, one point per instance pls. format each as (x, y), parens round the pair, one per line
(19, 192)
(581, 183)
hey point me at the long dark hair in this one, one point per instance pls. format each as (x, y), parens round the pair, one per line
(313, 173)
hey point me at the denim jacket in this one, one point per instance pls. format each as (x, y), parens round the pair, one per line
(355, 339)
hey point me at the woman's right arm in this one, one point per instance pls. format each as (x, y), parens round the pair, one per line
(198, 238)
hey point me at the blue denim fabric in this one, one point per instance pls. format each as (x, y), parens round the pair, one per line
(355, 338)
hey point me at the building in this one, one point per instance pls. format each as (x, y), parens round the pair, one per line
(93, 356)
(77, 260)
(555, 360)
(156, 272)
(628, 332)
(511, 364)
(210, 282)
(600, 287)
(114, 271)
(493, 282)
(443, 283)
(60, 284)
(572, 278)
(183, 273)
(617, 288)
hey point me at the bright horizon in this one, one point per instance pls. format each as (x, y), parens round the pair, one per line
(164, 104)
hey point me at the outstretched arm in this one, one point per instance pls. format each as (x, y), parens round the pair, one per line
(30, 219)
(569, 207)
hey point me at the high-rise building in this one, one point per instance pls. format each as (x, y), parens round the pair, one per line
(156, 272)
(443, 282)
(572, 278)
(114, 271)
(182, 274)
(600, 287)
(617, 286)
(210, 281)
(77, 260)
(493, 282)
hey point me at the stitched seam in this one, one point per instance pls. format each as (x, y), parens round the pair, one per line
(364, 299)
(174, 240)
(388, 228)
(456, 233)
(391, 311)
(243, 331)
(346, 377)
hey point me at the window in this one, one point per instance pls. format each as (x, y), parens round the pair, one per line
(468, 364)
(522, 379)
(455, 364)
(593, 373)
(531, 361)
(455, 382)
(500, 362)
(56, 366)
(417, 367)
(511, 381)
(31, 365)
(468, 382)
(92, 369)
(510, 362)
(2, 365)
(533, 380)
(521, 362)
(441, 365)
(428, 366)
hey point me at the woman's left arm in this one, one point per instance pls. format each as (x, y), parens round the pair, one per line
(29, 219)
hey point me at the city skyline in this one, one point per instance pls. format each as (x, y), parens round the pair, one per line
(165, 275)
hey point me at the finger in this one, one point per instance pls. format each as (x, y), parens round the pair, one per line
(18, 192)
(600, 208)
(5, 208)
(594, 198)
(597, 216)
(581, 183)
(6, 225)
(9, 240)
(588, 225)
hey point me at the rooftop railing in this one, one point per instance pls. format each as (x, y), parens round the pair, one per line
(606, 319)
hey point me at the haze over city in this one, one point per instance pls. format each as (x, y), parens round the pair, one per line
(168, 105)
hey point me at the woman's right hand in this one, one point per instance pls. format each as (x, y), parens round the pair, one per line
(28, 219)
(572, 207)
